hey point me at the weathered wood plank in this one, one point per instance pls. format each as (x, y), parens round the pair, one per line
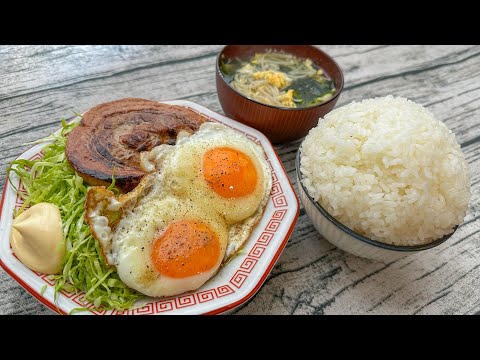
(39, 85)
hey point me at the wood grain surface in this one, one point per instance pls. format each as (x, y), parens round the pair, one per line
(41, 84)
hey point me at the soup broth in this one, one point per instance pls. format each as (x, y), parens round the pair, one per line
(279, 79)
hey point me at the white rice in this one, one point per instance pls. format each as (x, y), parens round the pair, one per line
(387, 169)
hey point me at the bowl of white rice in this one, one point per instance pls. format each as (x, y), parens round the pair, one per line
(381, 178)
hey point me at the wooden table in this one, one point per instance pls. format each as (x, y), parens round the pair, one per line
(41, 84)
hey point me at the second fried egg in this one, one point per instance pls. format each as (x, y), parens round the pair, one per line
(161, 245)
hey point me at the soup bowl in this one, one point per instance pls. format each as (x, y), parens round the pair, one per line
(279, 124)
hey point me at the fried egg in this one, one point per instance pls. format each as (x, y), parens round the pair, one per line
(218, 167)
(159, 244)
(194, 209)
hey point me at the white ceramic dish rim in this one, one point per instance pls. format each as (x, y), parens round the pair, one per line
(250, 269)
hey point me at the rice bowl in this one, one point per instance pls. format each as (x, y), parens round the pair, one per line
(388, 170)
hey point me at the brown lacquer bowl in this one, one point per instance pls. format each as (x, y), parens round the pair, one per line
(279, 124)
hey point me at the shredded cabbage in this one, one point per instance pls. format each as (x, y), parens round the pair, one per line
(51, 179)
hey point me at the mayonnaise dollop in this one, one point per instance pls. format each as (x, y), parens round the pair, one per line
(37, 238)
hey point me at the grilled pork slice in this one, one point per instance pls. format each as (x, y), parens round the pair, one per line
(111, 136)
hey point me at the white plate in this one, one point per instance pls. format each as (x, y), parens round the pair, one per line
(237, 282)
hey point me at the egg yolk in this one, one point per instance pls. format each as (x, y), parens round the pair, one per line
(185, 248)
(229, 172)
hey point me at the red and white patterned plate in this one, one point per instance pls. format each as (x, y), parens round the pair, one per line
(237, 282)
